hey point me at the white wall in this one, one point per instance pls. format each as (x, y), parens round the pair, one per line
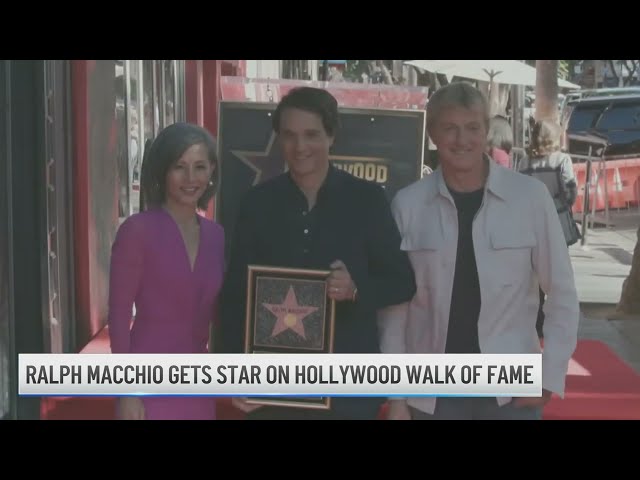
(264, 69)
(313, 69)
(273, 69)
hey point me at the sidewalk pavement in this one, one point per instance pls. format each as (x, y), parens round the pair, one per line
(600, 268)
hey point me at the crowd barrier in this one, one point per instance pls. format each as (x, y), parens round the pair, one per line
(622, 179)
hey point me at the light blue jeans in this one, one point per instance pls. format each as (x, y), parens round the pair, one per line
(455, 408)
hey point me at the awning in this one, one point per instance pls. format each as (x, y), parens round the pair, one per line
(510, 72)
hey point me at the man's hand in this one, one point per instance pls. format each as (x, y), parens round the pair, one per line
(532, 402)
(241, 404)
(398, 410)
(341, 286)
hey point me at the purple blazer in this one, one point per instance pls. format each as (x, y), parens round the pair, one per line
(175, 306)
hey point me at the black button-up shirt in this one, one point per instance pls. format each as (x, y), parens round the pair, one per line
(351, 221)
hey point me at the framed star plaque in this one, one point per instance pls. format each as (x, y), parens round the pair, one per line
(288, 311)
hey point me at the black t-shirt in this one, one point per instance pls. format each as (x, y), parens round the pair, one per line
(462, 336)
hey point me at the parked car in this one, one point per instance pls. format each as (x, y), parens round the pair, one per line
(616, 120)
(616, 117)
(595, 92)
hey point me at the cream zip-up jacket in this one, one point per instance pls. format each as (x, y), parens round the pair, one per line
(519, 245)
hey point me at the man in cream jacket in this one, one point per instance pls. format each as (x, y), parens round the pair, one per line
(481, 239)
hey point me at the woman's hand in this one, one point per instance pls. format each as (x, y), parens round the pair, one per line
(131, 408)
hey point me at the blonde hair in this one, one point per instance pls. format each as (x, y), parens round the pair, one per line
(546, 137)
(457, 94)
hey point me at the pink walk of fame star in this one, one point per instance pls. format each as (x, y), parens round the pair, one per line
(289, 314)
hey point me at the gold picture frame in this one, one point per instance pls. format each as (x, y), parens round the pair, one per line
(289, 311)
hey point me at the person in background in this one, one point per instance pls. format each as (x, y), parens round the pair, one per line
(500, 141)
(547, 162)
(168, 261)
(478, 267)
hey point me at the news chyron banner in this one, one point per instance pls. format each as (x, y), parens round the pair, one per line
(384, 146)
(277, 375)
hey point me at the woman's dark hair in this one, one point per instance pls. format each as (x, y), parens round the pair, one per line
(165, 151)
(310, 99)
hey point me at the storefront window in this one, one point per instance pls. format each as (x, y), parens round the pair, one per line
(134, 132)
(152, 87)
(124, 175)
(169, 92)
(150, 107)
(153, 101)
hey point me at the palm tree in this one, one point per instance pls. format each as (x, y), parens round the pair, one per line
(546, 90)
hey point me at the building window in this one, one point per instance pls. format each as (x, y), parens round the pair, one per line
(154, 100)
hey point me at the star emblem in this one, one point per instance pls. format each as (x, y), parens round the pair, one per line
(265, 165)
(289, 314)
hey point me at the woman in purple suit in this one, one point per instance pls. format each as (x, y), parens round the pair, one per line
(168, 261)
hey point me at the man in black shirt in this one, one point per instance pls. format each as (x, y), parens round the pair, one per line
(318, 217)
